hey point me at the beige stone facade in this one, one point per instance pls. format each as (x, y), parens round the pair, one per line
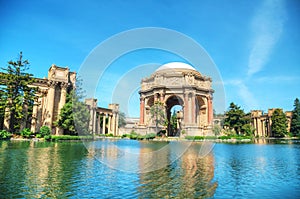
(262, 122)
(173, 84)
(103, 120)
(52, 92)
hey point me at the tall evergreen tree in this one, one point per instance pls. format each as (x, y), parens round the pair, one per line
(17, 95)
(122, 121)
(157, 112)
(235, 118)
(279, 123)
(295, 124)
(74, 116)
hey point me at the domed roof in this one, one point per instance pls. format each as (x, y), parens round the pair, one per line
(176, 65)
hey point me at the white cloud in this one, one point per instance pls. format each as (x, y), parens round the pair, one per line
(267, 25)
(250, 102)
(277, 79)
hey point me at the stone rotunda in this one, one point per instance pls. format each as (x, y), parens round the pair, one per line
(178, 83)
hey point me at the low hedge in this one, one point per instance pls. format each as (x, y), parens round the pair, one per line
(55, 138)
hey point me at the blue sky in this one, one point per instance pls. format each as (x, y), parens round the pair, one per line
(254, 44)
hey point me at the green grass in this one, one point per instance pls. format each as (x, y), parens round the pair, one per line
(55, 138)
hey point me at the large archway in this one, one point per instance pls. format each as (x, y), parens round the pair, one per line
(173, 127)
(178, 84)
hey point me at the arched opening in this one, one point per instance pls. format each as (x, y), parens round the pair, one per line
(201, 111)
(174, 115)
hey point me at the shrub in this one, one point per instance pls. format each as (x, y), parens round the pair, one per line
(4, 134)
(225, 137)
(150, 136)
(26, 133)
(109, 135)
(133, 135)
(44, 131)
(126, 136)
(56, 138)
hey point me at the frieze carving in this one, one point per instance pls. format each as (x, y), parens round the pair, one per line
(52, 84)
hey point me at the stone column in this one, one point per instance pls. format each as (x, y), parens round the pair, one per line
(34, 116)
(210, 110)
(190, 105)
(109, 124)
(186, 108)
(98, 124)
(155, 97)
(50, 104)
(255, 126)
(193, 110)
(113, 124)
(7, 115)
(117, 124)
(103, 124)
(62, 102)
(162, 97)
(94, 120)
(142, 110)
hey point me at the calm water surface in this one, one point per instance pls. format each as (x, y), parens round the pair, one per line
(132, 169)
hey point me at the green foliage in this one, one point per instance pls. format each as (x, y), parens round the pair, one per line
(279, 123)
(157, 112)
(109, 135)
(135, 136)
(248, 129)
(26, 133)
(74, 116)
(121, 121)
(45, 131)
(295, 123)
(188, 137)
(150, 136)
(55, 138)
(236, 118)
(4, 134)
(216, 130)
(17, 96)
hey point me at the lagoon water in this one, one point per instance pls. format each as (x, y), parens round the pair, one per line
(133, 169)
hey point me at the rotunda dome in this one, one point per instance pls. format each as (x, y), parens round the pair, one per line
(176, 65)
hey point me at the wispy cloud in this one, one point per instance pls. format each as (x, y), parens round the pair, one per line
(244, 93)
(267, 26)
(277, 79)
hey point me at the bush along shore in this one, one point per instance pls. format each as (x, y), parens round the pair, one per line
(44, 135)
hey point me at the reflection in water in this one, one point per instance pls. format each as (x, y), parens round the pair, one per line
(62, 170)
(188, 177)
(38, 169)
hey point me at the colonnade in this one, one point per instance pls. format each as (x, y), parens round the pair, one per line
(103, 120)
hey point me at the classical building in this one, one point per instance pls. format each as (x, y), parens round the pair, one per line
(51, 97)
(103, 120)
(262, 122)
(181, 84)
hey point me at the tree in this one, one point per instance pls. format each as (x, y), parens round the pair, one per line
(121, 121)
(74, 116)
(279, 123)
(295, 123)
(17, 96)
(173, 121)
(236, 118)
(157, 112)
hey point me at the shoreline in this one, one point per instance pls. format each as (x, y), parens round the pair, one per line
(165, 139)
